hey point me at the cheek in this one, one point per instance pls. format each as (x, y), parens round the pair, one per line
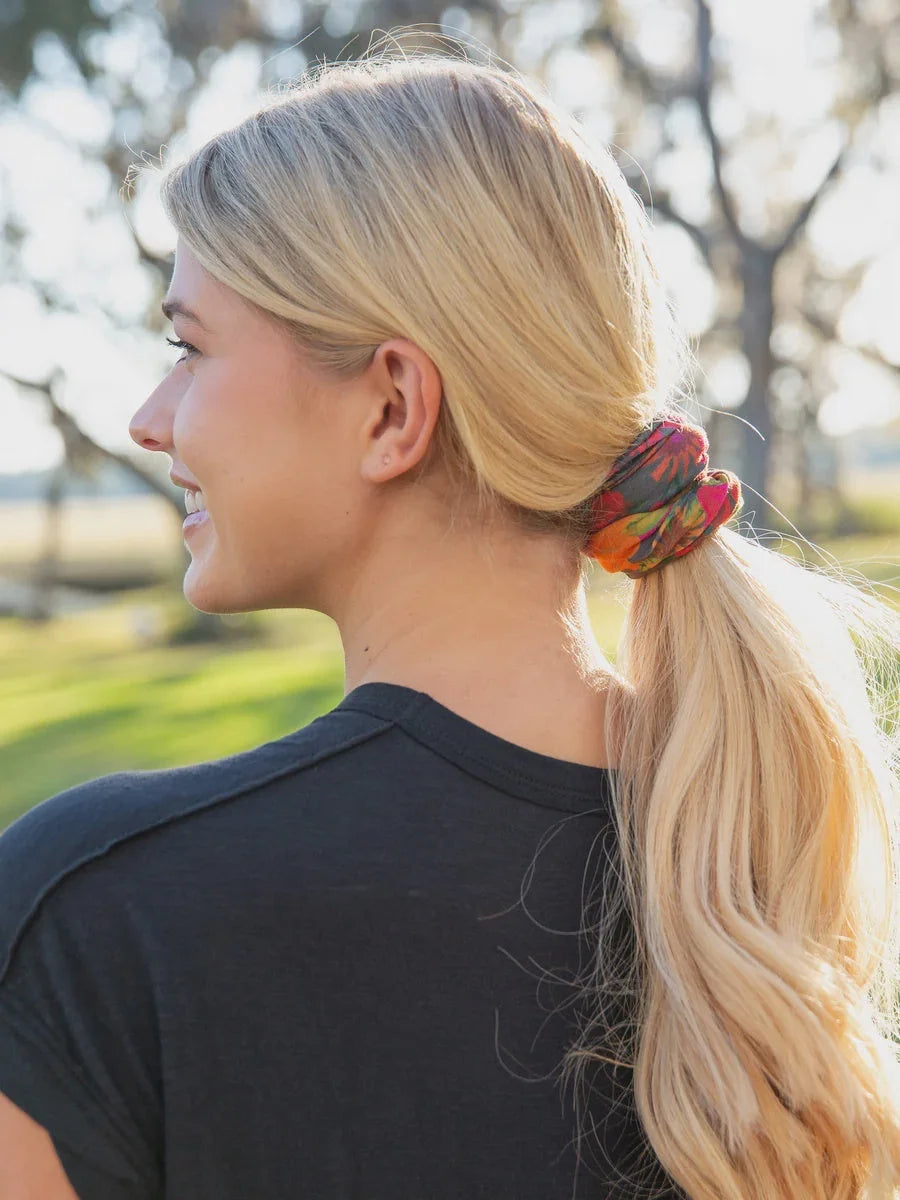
(213, 423)
(265, 454)
(193, 413)
(297, 489)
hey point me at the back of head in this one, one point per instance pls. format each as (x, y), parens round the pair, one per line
(756, 792)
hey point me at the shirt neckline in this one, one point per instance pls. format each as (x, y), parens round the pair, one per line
(506, 764)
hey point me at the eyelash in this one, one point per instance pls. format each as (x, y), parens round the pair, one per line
(179, 344)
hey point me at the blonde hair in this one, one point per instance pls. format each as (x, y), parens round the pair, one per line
(754, 714)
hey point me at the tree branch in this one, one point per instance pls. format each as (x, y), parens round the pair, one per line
(80, 446)
(702, 91)
(828, 331)
(806, 209)
(660, 203)
(634, 69)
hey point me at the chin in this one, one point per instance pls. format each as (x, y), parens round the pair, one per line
(209, 604)
(208, 596)
(204, 595)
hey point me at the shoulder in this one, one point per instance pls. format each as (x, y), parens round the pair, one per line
(50, 843)
(91, 906)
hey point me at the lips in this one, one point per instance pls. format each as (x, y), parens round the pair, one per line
(182, 481)
(194, 519)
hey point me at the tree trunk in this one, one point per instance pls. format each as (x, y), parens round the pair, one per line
(46, 571)
(756, 322)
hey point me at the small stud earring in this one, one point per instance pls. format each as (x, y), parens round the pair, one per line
(386, 458)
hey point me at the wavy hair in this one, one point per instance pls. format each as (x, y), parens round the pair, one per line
(754, 714)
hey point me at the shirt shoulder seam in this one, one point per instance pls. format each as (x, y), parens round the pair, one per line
(219, 797)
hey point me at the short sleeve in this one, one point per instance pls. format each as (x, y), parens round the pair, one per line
(78, 1033)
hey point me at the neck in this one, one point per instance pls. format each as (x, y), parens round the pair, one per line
(504, 638)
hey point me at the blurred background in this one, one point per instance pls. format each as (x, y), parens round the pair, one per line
(764, 142)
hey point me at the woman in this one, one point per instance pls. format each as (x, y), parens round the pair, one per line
(507, 921)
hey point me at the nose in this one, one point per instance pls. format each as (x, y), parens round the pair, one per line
(151, 425)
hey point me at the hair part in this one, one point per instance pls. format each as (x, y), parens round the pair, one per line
(756, 798)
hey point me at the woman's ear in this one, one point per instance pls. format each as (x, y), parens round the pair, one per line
(410, 398)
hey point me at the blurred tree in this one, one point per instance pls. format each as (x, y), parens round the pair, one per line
(23, 23)
(82, 456)
(771, 278)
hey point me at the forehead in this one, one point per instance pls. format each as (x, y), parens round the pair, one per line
(191, 284)
(192, 287)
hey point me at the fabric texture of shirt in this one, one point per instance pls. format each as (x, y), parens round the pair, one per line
(336, 966)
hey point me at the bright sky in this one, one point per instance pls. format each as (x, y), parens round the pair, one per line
(76, 244)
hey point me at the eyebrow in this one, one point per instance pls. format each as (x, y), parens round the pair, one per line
(171, 307)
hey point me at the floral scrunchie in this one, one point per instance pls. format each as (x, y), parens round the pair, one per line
(659, 500)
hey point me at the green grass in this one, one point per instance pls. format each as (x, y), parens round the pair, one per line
(80, 697)
(873, 556)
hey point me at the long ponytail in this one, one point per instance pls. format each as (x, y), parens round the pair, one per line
(756, 801)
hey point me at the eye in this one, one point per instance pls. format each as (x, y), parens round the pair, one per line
(182, 345)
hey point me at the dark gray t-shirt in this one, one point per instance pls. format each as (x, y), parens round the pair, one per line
(328, 967)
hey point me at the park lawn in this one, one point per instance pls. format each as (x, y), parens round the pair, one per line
(83, 700)
(80, 696)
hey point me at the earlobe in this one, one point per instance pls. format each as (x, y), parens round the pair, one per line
(373, 474)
